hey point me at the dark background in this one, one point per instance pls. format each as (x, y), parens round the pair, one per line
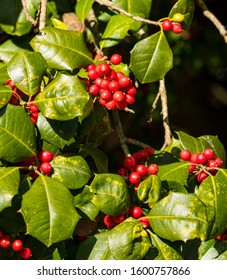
(197, 85)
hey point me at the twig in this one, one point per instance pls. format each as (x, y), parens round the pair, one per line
(154, 105)
(42, 18)
(121, 11)
(165, 117)
(213, 19)
(28, 16)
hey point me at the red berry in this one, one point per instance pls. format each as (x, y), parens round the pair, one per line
(1, 234)
(150, 150)
(219, 161)
(121, 105)
(33, 117)
(122, 172)
(134, 178)
(212, 164)
(33, 108)
(28, 161)
(112, 75)
(102, 101)
(114, 85)
(10, 83)
(201, 158)
(185, 154)
(141, 169)
(202, 176)
(125, 81)
(5, 241)
(17, 245)
(104, 84)
(130, 99)
(131, 90)
(46, 167)
(129, 162)
(119, 96)
(14, 100)
(25, 253)
(145, 222)
(136, 212)
(152, 169)
(209, 153)
(110, 105)
(120, 75)
(176, 28)
(194, 157)
(46, 156)
(119, 219)
(142, 155)
(192, 168)
(91, 67)
(109, 221)
(106, 94)
(167, 25)
(104, 68)
(94, 89)
(116, 59)
(92, 74)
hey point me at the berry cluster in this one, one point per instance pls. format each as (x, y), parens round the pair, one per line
(135, 170)
(113, 88)
(17, 99)
(173, 23)
(202, 164)
(16, 245)
(39, 162)
(136, 212)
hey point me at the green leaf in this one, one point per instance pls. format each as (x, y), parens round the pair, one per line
(111, 194)
(5, 95)
(27, 70)
(9, 184)
(83, 202)
(63, 99)
(4, 75)
(129, 241)
(213, 193)
(151, 58)
(83, 8)
(186, 8)
(207, 251)
(165, 251)
(149, 190)
(17, 134)
(62, 49)
(209, 141)
(132, 7)
(117, 29)
(96, 247)
(189, 142)
(56, 132)
(179, 217)
(48, 211)
(12, 47)
(99, 157)
(13, 19)
(73, 171)
(174, 176)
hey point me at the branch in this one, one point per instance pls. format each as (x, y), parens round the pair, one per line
(28, 16)
(42, 18)
(213, 19)
(165, 117)
(121, 11)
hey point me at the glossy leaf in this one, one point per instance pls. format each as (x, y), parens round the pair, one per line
(117, 29)
(151, 58)
(186, 8)
(5, 95)
(189, 142)
(129, 241)
(174, 176)
(27, 70)
(96, 247)
(63, 99)
(17, 134)
(62, 49)
(73, 171)
(83, 8)
(9, 184)
(56, 132)
(165, 251)
(179, 217)
(48, 211)
(213, 193)
(132, 7)
(149, 190)
(83, 202)
(111, 194)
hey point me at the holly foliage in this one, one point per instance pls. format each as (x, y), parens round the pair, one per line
(60, 213)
